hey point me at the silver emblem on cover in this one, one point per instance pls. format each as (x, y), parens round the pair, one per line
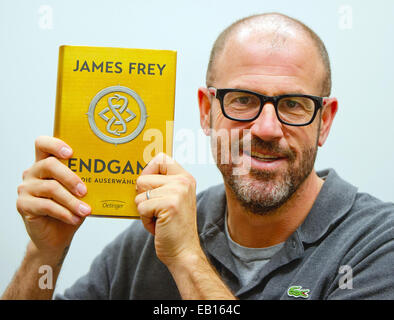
(118, 106)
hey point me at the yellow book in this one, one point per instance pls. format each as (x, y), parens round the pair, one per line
(115, 108)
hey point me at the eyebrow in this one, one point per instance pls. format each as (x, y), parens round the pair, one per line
(278, 93)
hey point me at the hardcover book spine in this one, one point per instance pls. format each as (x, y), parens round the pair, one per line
(59, 91)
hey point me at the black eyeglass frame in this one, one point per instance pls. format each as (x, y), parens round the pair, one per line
(220, 93)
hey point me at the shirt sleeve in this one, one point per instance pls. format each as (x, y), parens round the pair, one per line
(92, 286)
(100, 281)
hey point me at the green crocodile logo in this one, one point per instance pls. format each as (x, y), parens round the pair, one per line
(297, 291)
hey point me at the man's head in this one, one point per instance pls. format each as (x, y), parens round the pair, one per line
(270, 54)
(281, 28)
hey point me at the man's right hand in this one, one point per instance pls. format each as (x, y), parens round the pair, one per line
(49, 198)
(49, 203)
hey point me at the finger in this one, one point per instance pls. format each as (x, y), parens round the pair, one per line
(162, 195)
(151, 181)
(149, 224)
(142, 197)
(153, 193)
(52, 168)
(163, 186)
(47, 146)
(149, 211)
(51, 189)
(163, 164)
(29, 207)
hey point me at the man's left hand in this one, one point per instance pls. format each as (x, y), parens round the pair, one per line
(170, 212)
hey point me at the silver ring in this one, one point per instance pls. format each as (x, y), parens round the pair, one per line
(147, 194)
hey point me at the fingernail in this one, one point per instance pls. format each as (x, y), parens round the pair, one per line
(81, 189)
(65, 152)
(84, 210)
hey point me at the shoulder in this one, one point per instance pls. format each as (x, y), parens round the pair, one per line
(371, 211)
(356, 224)
(365, 246)
(365, 235)
(372, 217)
(341, 207)
(365, 201)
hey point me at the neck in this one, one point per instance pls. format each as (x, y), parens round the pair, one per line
(259, 231)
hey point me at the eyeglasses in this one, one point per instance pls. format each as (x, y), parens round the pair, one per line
(291, 109)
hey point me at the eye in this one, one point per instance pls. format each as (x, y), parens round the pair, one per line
(291, 104)
(243, 100)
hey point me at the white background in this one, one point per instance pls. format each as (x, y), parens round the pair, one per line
(361, 50)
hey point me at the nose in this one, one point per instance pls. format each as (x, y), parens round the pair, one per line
(267, 126)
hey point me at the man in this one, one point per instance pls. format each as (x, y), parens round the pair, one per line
(275, 229)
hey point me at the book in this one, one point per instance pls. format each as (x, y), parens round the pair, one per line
(115, 109)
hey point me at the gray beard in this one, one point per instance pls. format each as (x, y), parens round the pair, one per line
(262, 192)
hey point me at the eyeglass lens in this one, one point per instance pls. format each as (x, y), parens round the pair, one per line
(243, 106)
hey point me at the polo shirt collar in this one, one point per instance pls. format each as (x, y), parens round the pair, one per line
(334, 200)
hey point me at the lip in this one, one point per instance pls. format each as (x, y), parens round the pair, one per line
(266, 164)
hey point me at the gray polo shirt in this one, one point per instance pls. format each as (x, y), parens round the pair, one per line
(344, 249)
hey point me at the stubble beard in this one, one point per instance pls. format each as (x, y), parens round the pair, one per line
(262, 192)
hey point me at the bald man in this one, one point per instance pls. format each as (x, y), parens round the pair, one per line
(275, 229)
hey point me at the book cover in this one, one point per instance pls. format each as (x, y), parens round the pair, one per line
(115, 109)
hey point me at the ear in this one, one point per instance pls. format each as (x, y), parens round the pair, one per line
(329, 110)
(204, 103)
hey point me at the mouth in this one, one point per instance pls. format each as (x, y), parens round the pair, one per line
(265, 157)
(265, 161)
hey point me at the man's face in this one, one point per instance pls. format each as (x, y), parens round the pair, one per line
(281, 157)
